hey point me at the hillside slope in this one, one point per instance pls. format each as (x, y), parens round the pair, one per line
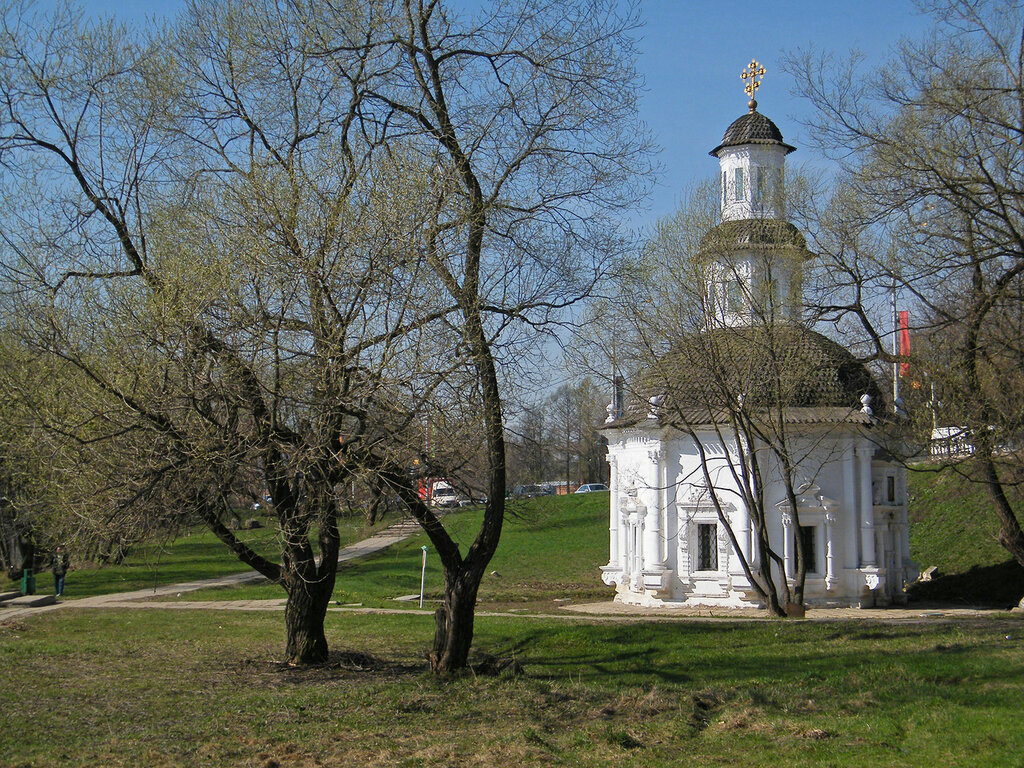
(953, 527)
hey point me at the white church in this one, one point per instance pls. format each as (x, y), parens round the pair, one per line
(681, 528)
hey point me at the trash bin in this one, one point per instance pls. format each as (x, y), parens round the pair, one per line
(28, 582)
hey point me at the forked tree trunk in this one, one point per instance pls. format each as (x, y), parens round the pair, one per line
(304, 619)
(453, 628)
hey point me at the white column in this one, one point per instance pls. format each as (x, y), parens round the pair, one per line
(787, 544)
(624, 534)
(652, 520)
(867, 506)
(741, 525)
(615, 513)
(830, 568)
(851, 512)
(739, 519)
(897, 552)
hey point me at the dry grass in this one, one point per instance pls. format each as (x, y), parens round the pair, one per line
(174, 688)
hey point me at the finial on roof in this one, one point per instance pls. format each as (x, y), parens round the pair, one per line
(753, 75)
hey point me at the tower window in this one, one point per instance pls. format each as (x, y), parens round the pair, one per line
(734, 296)
(759, 185)
(723, 187)
(707, 547)
(739, 184)
(890, 489)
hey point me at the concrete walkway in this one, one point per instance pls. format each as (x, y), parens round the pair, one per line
(916, 613)
(144, 598)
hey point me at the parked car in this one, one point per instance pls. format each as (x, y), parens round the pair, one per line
(591, 488)
(445, 497)
(532, 491)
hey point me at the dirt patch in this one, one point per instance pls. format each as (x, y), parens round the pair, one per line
(340, 664)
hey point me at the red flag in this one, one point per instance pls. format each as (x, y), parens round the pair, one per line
(904, 320)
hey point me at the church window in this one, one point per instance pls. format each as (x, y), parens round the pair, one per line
(739, 184)
(759, 184)
(723, 187)
(809, 539)
(707, 547)
(890, 489)
(734, 296)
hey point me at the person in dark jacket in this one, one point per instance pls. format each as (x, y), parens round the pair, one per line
(59, 564)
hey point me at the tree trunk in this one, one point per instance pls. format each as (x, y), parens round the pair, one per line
(304, 619)
(453, 629)
(1010, 537)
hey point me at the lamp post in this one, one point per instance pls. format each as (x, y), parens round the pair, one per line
(423, 573)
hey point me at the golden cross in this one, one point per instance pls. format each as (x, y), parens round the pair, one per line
(754, 73)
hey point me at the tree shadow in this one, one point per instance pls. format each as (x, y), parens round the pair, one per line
(990, 586)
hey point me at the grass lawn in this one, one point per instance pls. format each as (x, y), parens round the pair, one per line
(203, 688)
(529, 570)
(197, 555)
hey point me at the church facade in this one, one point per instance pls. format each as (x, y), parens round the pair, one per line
(690, 523)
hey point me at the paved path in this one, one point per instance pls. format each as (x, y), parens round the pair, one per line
(143, 598)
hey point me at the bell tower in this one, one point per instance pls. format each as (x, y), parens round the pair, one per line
(754, 257)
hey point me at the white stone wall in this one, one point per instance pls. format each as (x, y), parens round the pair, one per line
(659, 498)
(766, 201)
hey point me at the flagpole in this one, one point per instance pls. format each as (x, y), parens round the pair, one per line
(896, 403)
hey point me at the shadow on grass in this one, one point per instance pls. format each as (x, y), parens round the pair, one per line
(991, 586)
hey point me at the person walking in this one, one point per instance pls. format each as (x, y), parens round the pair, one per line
(59, 564)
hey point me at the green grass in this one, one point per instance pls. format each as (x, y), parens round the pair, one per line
(205, 688)
(953, 525)
(529, 570)
(196, 555)
(162, 688)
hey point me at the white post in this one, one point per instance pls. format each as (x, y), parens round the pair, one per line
(423, 574)
(830, 568)
(787, 544)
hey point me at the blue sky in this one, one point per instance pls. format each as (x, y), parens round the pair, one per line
(692, 53)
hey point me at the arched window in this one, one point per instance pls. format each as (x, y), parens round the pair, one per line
(758, 190)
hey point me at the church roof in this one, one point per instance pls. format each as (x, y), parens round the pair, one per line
(752, 128)
(788, 366)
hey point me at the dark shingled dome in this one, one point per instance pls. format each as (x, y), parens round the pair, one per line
(788, 365)
(752, 128)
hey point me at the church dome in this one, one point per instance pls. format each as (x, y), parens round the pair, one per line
(787, 366)
(752, 128)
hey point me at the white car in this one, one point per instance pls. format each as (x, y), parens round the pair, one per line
(591, 488)
(445, 498)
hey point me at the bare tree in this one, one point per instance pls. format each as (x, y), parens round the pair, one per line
(276, 241)
(201, 234)
(930, 148)
(526, 114)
